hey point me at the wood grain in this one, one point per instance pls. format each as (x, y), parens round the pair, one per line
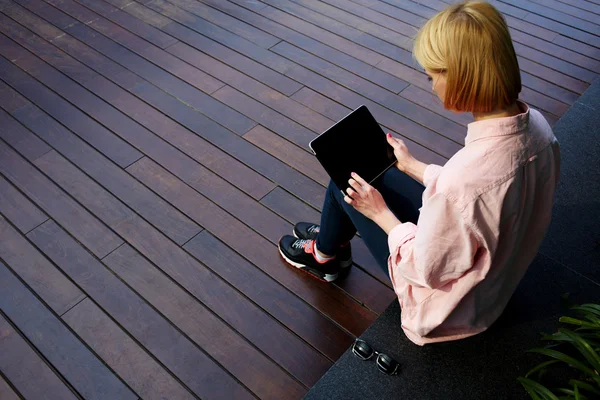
(174, 350)
(23, 366)
(66, 353)
(128, 359)
(259, 373)
(37, 272)
(18, 209)
(57, 204)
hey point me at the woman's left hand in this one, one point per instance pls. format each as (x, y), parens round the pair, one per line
(365, 198)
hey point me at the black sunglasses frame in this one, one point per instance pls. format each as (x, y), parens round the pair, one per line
(378, 361)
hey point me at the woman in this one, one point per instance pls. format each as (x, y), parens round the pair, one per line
(456, 246)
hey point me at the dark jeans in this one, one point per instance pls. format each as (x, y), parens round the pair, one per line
(340, 221)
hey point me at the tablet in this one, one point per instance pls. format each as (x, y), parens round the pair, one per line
(355, 144)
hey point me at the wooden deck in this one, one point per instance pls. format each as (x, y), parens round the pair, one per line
(153, 152)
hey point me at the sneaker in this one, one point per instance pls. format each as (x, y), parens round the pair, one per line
(308, 231)
(301, 254)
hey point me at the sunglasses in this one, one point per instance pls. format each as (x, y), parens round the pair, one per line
(385, 363)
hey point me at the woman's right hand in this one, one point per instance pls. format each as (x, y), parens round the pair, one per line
(405, 159)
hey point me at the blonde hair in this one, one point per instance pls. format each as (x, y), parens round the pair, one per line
(470, 42)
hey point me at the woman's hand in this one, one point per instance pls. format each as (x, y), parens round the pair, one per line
(406, 162)
(405, 159)
(368, 201)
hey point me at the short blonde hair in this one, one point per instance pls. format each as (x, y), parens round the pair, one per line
(470, 42)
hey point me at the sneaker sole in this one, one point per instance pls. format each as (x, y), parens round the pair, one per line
(343, 265)
(316, 274)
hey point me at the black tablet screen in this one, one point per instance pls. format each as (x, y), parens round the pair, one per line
(355, 144)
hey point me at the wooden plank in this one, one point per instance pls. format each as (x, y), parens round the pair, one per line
(236, 26)
(335, 49)
(162, 215)
(257, 159)
(288, 309)
(252, 156)
(259, 373)
(6, 392)
(180, 84)
(347, 46)
(233, 25)
(99, 137)
(242, 63)
(321, 104)
(399, 50)
(146, 376)
(175, 262)
(176, 352)
(294, 188)
(508, 9)
(224, 37)
(170, 221)
(13, 101)
(555, 63)
(551, 75)
(36, 271)
(561, 16)
(542, 102)
(71, 358)
(347, 13)
(415, 114)
(584, 5)
(310, 325)
(406, 11)
(257, 250)
(18, 209)
(553, 91)
(379, 295)
(531, 29)
(563, 29)
(134, 25)
(246, 178)
(255, 89)
(58, 205)
(289, 207)
(429, 100)
(409, 73)
(557, 51)
(201, 102)
(583, 48)
(188, 142)
(403, 21)
(26, 370)
(287, 152)
(265, 116)
(363, 257)
(183, 71)
(16, 134)
(214, 187)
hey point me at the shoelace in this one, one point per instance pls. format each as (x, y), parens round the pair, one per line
(302, 244)
(313, 229)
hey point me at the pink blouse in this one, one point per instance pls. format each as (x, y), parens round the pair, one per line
(483, 219)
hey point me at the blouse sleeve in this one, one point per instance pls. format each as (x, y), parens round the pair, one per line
(439, 249)
(431, 173)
